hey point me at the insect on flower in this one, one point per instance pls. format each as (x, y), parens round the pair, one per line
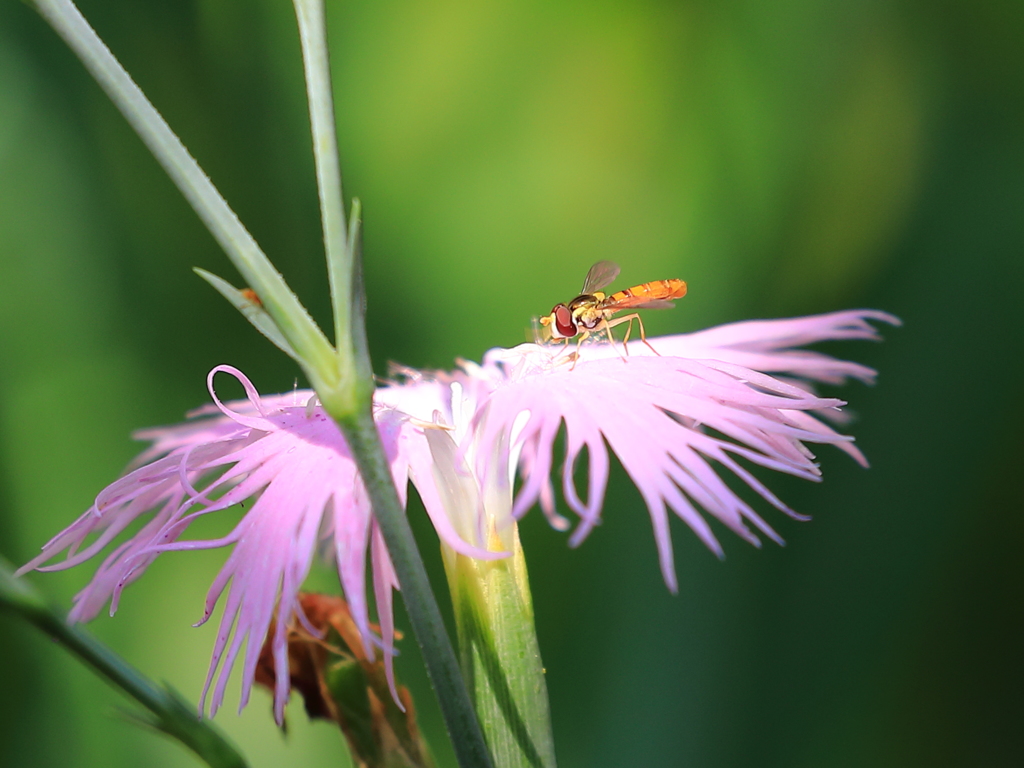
(592, 310)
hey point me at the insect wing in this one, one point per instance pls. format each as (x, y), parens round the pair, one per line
(600, 275)
(633, 303)
(618, 301)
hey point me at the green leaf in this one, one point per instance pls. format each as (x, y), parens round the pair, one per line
(252, 310)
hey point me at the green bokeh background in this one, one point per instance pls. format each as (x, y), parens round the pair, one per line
(784, 158)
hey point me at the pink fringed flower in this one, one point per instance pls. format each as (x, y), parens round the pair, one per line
(705, 397)
(287, 457)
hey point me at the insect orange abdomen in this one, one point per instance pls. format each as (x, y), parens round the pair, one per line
(656, 290)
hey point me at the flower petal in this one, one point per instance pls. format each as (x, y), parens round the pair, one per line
(707, 397)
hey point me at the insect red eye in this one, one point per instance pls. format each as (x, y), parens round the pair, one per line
(564, 324)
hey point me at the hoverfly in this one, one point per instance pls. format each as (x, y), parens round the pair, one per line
(592, 310)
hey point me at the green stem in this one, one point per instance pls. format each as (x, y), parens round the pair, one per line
(293, 320)
(357, 422)
(170, 713)
(420, 603)
(316, 61)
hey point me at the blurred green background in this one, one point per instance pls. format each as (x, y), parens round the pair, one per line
(784, 158)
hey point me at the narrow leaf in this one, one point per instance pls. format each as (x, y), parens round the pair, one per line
(249, 305)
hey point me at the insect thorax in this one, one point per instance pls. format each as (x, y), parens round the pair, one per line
(586, 311)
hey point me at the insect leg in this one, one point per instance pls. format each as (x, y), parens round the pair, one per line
(629, 319)
(606, 328)
(576, 355)
(643, 336)
(629, 330)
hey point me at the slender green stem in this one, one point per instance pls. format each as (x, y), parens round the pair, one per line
(170, 713)
(428, 626)
(296, 324)
(316, 61)
(357, 422)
